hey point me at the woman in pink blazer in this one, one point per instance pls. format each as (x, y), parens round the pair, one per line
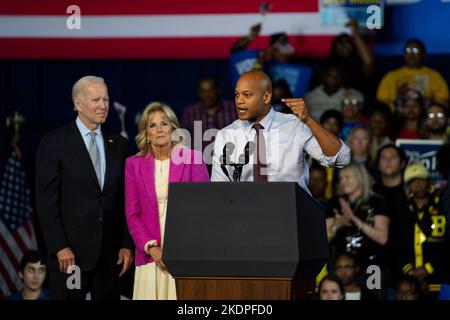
(147, 176)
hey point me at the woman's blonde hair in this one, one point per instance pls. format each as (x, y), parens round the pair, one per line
(359, 127)
(361, 174)
(141, 137)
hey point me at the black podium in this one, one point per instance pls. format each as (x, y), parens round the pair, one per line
(243, 240)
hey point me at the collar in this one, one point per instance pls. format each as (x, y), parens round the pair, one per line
(266, 122)
(85, 130)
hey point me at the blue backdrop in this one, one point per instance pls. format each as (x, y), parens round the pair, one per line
(428, 20)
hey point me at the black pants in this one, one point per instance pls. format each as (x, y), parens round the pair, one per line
(102, 282)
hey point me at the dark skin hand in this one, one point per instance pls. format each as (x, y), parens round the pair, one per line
(328, 142)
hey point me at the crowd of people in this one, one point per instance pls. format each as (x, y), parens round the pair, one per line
(103, 210)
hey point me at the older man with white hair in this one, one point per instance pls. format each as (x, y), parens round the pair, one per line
(80, 200)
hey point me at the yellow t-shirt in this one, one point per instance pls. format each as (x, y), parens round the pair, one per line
(426, 80)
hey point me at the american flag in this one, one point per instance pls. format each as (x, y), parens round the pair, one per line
(17, 233)
(155, 29)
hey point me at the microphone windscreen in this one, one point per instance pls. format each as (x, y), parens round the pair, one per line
(229, 148)
(250, 147)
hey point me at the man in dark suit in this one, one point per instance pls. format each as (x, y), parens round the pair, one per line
(80, 199)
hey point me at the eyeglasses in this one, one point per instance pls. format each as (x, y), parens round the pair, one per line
(435, 115)
(412, 50)
(351, 102)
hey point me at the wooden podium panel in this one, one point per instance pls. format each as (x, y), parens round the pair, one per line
(242, 288)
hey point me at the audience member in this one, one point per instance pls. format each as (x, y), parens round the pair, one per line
(391, 161)
(357, 220)
(412, 111)
(318, 183)
(379, 125)
(413, 75)
(425, 254)
(408, 288)
(351, 109)
(359, 141)
(347, 270)
(329, 94)
(213, 112)
(331, 288)
(33, 272)
(436, 122)
(353, 54)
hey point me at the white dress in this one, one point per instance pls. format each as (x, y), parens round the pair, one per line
(150, 282)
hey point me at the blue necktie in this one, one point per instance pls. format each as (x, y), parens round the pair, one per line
(94, 153)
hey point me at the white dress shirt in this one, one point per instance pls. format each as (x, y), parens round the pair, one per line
(99, 140)
(288, 142)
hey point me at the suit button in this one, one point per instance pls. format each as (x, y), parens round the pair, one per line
(100, 219)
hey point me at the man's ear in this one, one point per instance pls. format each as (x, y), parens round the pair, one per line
(21, 275)
(267, 97)
(77, 103)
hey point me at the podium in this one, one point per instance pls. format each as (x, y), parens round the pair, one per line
(243, 241)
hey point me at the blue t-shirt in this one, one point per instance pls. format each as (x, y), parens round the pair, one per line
(45, 295)
(347, 127)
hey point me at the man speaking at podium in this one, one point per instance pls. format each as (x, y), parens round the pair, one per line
(266, 145)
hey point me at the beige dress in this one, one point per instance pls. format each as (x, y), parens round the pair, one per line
(150, 282)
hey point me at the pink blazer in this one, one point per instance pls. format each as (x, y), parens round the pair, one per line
(140, 197)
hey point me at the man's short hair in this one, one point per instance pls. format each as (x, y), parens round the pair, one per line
(82, 82)
(207, 78)
(419, 43)
(30, 256)
(379, 107)
(331, 113)
(332, 64)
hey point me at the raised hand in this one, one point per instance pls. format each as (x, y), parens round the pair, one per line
(298, 108)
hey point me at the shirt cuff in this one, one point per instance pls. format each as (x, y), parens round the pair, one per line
(340, 159)
(148, 245)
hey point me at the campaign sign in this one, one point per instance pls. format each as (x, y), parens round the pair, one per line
(423, 151)
(297, 76)
(242, 62)
(339, 12)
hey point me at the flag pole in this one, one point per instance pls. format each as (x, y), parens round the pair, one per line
(16, 120)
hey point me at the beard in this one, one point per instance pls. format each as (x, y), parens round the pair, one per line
(440, 130)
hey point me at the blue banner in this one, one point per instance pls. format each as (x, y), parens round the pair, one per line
(296, 76)
(423, 151)
(427, 20)
(242, 62)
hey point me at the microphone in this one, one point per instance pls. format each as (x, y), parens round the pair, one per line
(243, 160)
(228, 149)
(224, 159)
(248, 151)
